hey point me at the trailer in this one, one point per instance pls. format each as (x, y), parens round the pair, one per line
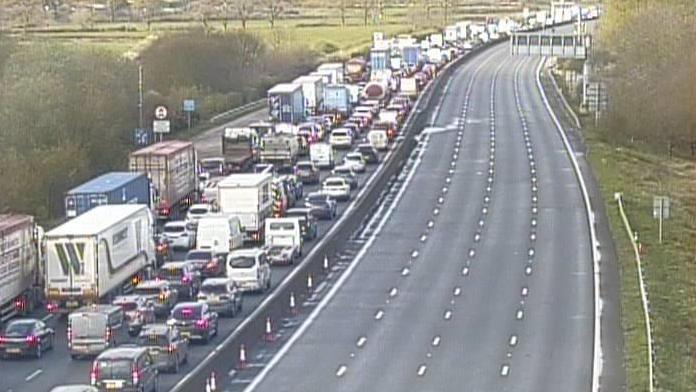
(337, 100)
(313, 92)
(356, 70)
(286, 103)
(248, 196)
(20, 265)
(280, 149)
(411, 55)
(100, 254)
(109, 188)
(336, 70)
(171, 168)
(239, 149)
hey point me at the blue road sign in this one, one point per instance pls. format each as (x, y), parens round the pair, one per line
(141, 137)
(189, 105)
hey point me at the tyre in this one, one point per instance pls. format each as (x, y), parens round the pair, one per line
(175, 369)
(39, 351)
(74, 356)
(155, 385)
(53, 342)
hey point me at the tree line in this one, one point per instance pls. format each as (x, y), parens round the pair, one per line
(650, 49)
(68, 113)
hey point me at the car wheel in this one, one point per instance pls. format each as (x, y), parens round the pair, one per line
(155, 385)
(53, 341)
(185, 360)
(176, 366)
(39, 350)
(74, 356)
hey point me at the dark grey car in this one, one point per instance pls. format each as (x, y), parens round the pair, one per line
(168, 349)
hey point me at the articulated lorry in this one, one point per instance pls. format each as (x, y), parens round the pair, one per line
(109, 188)
(171, 167)
(280, 149)
(247, 196)
(20, 265)
(239, 148)
(100, 254)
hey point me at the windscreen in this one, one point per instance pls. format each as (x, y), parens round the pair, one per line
(174, 229)
(211, 165)
(198, 211)
(316, 199)
(334, 183)
(304, 166)
(146, 291)
(20, 328)
(114, 369)
(217, 288)
(242, 262)
(282, 226)
(128, 306)
(171, 273)
(199, 256)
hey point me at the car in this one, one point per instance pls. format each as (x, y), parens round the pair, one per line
(336, 187)
(307, 172)
(341, 138)
(347, 172)
(222, 295)
(322, 206)
(94, 328)
(355, 159)
(178, 235)
(163, 250)
(213, 166)
(74, 388)
(168, 349)
(26, 337)
(354, 128)
(250, 269)
(282, 254)
(207, 262)
(263, 168)
(195, 320)
(183, 276)
(369, 153)
(127, 369)
(197, 211)
(160, 292)
(137, 311)
(308, 223)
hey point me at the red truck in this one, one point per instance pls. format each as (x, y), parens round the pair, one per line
(239, 149)
(171, 167)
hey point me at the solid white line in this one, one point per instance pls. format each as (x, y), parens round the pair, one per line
(361, 341)
(436, 341)
(339, 283)
(341, 371)
(33, 375)
(598, 356)
(421, 370)
(505, 370)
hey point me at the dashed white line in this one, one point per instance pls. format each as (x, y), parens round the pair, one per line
(520, 314)
(421, 370)
(436, 341)
(341, 370)
(448, 314)
(35, 374)
(361, 342)
(513, 341)
(379, 314)
(505, 370)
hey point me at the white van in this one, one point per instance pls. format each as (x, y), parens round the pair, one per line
(249, 268)
(285, 232)
(378, 139)
(220, 233)
(321, 154)
(341, 138)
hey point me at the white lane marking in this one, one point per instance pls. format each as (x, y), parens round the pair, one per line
(47, 317)
(431, 224)
(513, 340)
(520, 314)
(393, 292)
(361, 342)
(598, 356)
(525, 291)
(457, 291)
(436, 341)
(414, 254)
(448, 314)
(341, 370)
(35, 374)
(505, 370)
(465, 271)
(423, 238)
(421, 370)
(405, 271)
(528, 270)
(379, 315)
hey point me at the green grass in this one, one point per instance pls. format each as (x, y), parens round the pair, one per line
(670, 271)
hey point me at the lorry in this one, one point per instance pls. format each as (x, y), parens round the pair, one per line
(239, 148)
(451, 34)
(436, 40)
(248, 196)
(411, 55)
(280, 149)
(356, 70)
(337, 100)
(336, 70)
(410, 87)
(377, 90)
(100, 254)
(171, 167)
(380, 63)
(109, 188)
(313, 93)
(286, 103)
(20, 265)
(434, 55)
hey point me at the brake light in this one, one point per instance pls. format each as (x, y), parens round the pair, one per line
(185, 279)
(108, 335)
(135, 280)
(136, 376)
(94, 374)
(51, 307)
(202, 324)
(162, 296)
(161, 248)
(19, 304)
(32, 340)
(171, 348)
(2, 339)
(211, 265)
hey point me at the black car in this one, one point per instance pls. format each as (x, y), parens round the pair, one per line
(369, 153)
(125, 369)
(347, 173)
(322, 206)
(168, 349)
(195, 320)
(26, 337)
(308, 223)
(183, 276)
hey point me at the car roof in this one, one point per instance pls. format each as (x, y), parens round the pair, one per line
(127, 298)
(154, 328)
(175, 223)
(189, 304)
(246, 252)
(156, 283)
(174, 264)
(335, 178)
(23, 321)
(200, 205)
(356, 154)
(216, 281)
(122, 353)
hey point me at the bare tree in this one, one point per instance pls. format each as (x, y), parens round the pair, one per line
(274, 9)
(244, 9)
(342, 12)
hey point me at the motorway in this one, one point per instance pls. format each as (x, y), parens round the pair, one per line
(56, 367)
(480, 278)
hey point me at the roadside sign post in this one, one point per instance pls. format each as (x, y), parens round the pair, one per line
(161, 124)
(660, 212)
(189, 108)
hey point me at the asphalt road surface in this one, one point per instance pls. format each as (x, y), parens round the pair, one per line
(480, 279)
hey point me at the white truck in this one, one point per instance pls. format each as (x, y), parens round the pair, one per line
(102, 253)
(313, 92)
(409, 86)
(321, 155)
(20, 265)
(283, 240)
(248, 196)
(280, 149)
(335, 70)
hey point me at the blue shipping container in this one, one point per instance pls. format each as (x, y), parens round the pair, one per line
(286, 103)
(109, 188)
(336, 99)
(411, 55)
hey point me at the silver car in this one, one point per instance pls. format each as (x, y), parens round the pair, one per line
(222, 296)
(168, 349)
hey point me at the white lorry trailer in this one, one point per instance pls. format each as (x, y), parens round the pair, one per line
(248, 196)
(102, 253)
(20, 266)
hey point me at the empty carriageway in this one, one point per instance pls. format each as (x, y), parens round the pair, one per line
(479, 277)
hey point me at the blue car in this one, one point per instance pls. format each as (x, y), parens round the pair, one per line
(322, 206)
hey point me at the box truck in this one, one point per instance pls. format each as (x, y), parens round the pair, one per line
(286, 103)
(337, 100)
(171, 168)
(20, 265)
(239, 148)
(280, 149)
(109, 188)
(100, 254)
(313, 92)
(247, 196)
(336, 70)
